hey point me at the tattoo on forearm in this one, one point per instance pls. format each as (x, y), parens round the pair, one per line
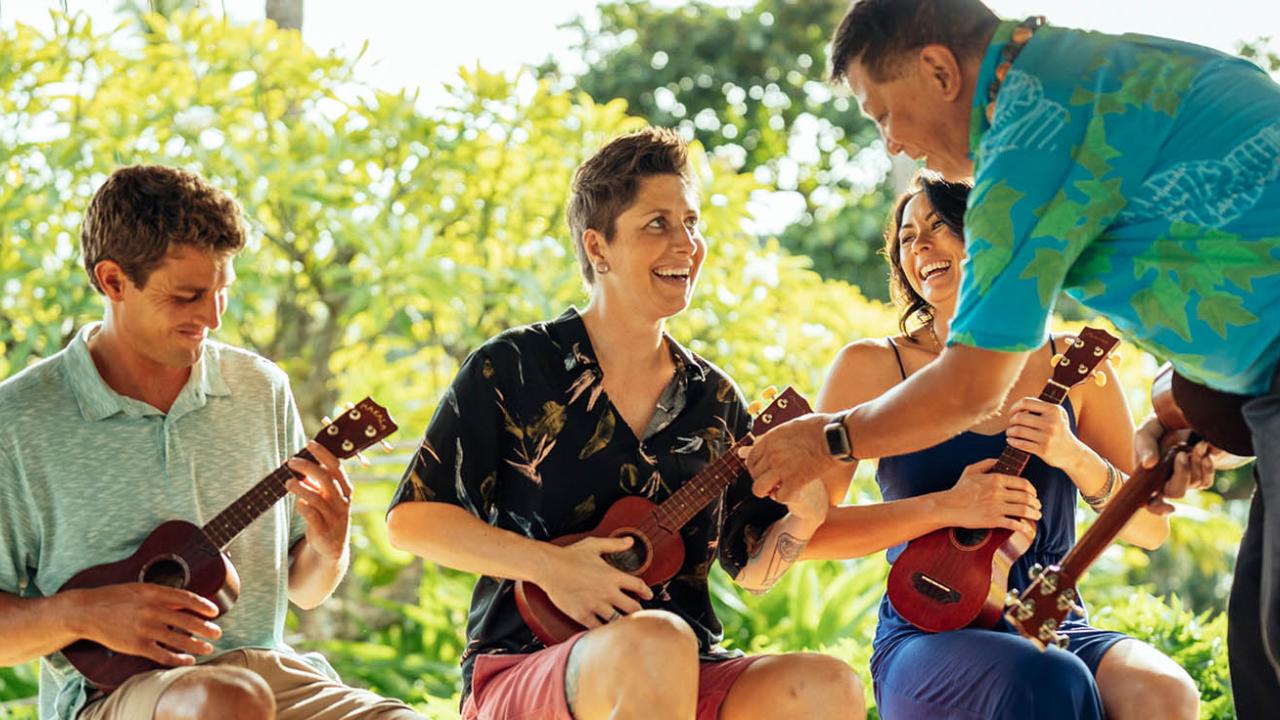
(785, 552)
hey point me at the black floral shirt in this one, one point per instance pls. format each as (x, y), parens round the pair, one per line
(527, 440)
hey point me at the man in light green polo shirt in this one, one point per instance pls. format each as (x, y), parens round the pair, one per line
(143, 419)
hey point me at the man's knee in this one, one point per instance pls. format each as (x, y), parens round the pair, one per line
(217, 692)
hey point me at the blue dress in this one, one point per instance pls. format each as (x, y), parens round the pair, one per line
(974, 673)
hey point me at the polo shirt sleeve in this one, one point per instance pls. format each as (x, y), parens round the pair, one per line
(457, 460)
(745, 517)
(1044, 191)
(18, 537)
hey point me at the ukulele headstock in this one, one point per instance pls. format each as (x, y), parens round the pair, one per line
(362, 425)
(1081, 359)
(1042, 608)
(784, 406)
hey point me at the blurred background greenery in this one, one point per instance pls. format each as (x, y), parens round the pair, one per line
(389, 240)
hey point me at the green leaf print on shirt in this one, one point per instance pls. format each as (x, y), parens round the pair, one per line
(990, 222)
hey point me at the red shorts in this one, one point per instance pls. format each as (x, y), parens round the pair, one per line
(531, 686)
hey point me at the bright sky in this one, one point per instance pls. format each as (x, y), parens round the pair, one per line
(421, 43)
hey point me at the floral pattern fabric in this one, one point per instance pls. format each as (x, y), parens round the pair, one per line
(1142, 176)
(527, 440)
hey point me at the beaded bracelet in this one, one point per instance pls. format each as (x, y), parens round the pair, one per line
(1099, 501)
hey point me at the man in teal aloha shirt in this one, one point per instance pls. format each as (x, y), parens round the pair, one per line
(1140, 175)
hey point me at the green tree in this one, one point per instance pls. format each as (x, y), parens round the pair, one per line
(751, 85)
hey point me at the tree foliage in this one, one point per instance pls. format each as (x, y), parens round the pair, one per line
(387, 242)
(751, 85)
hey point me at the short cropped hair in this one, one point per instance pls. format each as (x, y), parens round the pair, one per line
(878, 33)
(605, 185)
(142, 211)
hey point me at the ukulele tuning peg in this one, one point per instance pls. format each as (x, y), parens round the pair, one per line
(386, 446)
(350, 406)
(1115, 356)
(1061, 641)
(755, 407)
(770, 393)
(364, 461)
(1100, 378)
(326, 421)
(1056, 360)
(1036, 571)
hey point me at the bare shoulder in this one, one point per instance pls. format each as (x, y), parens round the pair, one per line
(862, 370)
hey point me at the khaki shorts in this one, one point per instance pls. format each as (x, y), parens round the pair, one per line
(301, 691)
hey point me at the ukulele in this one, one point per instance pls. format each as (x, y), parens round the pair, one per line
(1040, 610)
(957, 577)
(181, 555)
(657, 550)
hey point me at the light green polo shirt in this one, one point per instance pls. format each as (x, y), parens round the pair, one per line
(86, 474)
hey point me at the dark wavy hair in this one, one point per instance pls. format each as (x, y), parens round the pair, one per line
(948, 199)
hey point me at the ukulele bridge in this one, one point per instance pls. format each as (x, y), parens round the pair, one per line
(933, 589)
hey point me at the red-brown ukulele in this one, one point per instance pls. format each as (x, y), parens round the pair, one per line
(957, 577)
(1040, 610)
(182, 555)
(658, 550)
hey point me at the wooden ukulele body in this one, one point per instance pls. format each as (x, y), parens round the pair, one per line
(953, 578)
(177, 554)
(655, 556)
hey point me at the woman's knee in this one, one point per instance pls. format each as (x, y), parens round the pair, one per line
(649, 644)
(655, 635)
(217, 692)
(1054, 680)
(808, 685)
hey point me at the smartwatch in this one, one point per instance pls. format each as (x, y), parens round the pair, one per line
(838, 443)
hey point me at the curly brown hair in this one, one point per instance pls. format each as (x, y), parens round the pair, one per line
(948, 199)
(141, 211)
(606, 184)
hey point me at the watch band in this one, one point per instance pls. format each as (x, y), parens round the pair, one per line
(839, 444)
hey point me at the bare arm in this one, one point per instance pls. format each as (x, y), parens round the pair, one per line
(448, 535)
(934, 404)
(863, 371)
(34, 627)
(135, 618)
(943, 399)
(576, 577)
(318, 561)
(786, 539)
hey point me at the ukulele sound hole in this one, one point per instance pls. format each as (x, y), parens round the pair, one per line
(970, 537)
(634, 558)
(169, 570)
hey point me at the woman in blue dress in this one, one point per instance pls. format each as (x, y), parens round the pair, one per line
(1077, 448)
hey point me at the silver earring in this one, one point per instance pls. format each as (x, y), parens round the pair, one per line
(602, 268)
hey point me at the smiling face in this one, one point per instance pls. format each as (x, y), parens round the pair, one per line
(929, 253)
(167, 320)
(921, 109)
(656, 252)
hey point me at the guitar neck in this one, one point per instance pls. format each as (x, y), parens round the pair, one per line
(1132, 497)
(1013, 461)
(706, 486)
(250, 506)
